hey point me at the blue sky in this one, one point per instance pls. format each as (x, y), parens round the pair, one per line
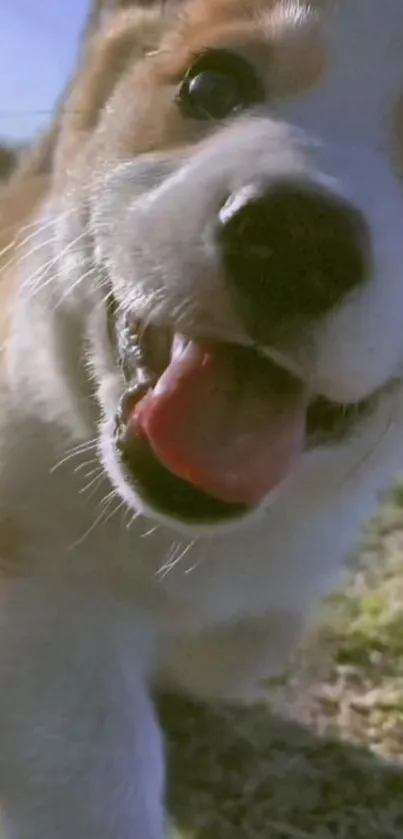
(38, 39)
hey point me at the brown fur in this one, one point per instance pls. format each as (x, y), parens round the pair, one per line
(8, 160)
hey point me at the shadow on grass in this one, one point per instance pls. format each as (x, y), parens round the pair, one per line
(249, 775)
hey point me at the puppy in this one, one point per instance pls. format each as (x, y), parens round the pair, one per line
(202, 379)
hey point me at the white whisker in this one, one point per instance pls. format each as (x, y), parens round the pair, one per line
(175, 558)
(39, 227)
(76, 451)
(94, 483)
(75, 285)
(102, 517)
(85, 464)
(91, 472)
(149, 532)
(133, 517)
(42, 277)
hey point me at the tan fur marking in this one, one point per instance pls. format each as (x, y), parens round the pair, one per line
(127, 39)
(132, 61)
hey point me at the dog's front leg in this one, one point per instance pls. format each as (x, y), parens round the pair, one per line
(231, 663)
(81, 755)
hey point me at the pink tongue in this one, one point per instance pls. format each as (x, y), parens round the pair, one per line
(225, 421)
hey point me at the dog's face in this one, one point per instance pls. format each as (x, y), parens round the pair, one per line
(237, 188)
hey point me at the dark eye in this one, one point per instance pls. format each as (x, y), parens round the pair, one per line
(218, 84)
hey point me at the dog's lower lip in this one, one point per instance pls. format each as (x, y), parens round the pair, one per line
(166, 492)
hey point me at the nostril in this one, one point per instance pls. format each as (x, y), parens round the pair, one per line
(295, 250)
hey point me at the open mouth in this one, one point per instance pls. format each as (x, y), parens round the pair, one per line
(206, 430)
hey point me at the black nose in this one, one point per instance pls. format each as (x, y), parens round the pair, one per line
(290, 254)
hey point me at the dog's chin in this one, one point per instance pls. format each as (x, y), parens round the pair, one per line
(184, 510)
(161, 492)
(146, 452)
